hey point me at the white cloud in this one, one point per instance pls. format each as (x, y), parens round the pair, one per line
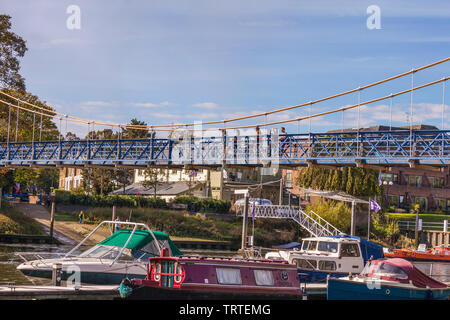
(153, 105)
(206, 105)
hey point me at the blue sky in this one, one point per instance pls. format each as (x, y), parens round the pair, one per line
(187, 61)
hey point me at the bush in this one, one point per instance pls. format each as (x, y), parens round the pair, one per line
(205, 204)
(339, 214)
(72, 198)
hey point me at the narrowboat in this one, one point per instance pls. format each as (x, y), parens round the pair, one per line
(212, 278)
(435, 254)
(334, 256)
(388, 279)
(122, 254)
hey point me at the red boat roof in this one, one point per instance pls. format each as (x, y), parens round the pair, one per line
(418, 278)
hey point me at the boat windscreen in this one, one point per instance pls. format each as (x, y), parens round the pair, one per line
(106, 252)
(388, 270)
(327, 246)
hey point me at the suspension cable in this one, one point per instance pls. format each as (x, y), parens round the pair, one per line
(248, 116)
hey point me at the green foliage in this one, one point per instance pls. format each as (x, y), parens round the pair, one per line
(12, 47)
(384, 230)
(76, 198)
(43, 178)
(337, 213)
(205, 204)
(354, 181)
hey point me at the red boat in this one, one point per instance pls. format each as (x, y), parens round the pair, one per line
(209, 278)
(435, 254)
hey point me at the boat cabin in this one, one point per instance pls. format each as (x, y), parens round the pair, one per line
(334, 255)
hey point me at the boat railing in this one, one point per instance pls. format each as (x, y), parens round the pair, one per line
(107, 222)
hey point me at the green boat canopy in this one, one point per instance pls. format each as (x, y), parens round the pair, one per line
(142, 240)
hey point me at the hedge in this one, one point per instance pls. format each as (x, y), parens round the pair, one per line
(205, 204)
(70, 198)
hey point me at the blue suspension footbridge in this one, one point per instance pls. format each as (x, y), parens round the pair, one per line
(191, 145)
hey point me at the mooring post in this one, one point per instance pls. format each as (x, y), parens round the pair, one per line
(368, 224)
(52, 217)
(56, 274)
(113, 213)
(416, 231)
(353, 222)
(244, 223)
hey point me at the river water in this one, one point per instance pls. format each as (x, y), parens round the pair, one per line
(10, 259)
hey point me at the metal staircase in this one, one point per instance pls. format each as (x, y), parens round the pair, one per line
(311, 222)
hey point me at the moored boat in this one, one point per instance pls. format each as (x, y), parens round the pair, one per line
(387, 279)
(122, 254)
(437, 253)
(210, 278)
(334, 256)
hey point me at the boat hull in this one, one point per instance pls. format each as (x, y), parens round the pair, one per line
(341, 289)
(158, 293)
(89, 271)
(98, 278)
(416, 257)
(309, 276)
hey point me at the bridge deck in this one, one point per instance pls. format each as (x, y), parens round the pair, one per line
(391, 148)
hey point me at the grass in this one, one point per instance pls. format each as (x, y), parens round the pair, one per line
(180, 226)
(15, 222)
(426, 217)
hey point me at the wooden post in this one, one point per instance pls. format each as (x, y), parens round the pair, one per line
(52, 217)
(113, 213)
(353, 222)
(416, 232)
(244, 223)
(281, 192)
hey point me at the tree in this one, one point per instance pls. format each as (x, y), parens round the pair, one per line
(129, 133)
(151, 179)
(354, 181)
(12, 47)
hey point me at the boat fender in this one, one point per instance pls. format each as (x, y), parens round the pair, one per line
(125, 288)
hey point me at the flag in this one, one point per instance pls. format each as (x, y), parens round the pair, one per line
(379, 179)
(373, 205)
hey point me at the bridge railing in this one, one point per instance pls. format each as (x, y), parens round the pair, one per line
(388, 147)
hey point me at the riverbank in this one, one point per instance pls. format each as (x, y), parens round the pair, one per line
(14, 222)
(180, 225)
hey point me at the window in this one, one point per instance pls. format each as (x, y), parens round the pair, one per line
(389, 178)
(350, 250)
(393, 200)
(305, 264)
(388, 270)
(415, 181)
(228, 275)
(440, 203)
(327, 265)
(309, 245)
(422, 201)
(327, 246)
(436, 182)
(263, 277)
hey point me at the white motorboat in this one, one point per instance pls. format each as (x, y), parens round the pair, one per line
(123, 254)
(336, 256)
